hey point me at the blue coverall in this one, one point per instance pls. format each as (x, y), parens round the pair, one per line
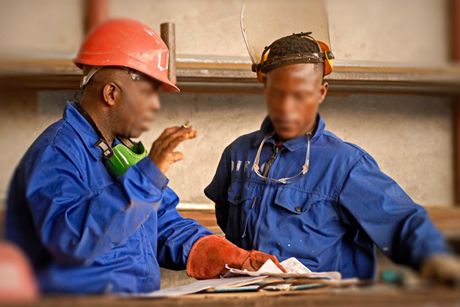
(85, 232)
(331, 217)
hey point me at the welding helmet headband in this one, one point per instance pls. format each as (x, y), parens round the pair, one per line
(324, 55)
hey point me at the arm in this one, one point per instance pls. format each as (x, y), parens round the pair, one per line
(76, 223)
(176, 235)
(372, 201)
(184, 243)
(218, 188)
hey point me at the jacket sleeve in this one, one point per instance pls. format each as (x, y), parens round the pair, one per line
(375, 203)
(176, 235)
(217, 190)
(76, 223)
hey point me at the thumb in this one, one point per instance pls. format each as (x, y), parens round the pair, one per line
(177, 156)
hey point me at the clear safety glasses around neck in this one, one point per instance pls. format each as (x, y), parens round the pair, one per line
(304, 170)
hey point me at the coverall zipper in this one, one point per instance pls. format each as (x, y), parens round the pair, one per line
(266, 170)
(271, 161)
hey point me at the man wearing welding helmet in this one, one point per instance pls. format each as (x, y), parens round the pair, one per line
(294, 189)
(92, 209)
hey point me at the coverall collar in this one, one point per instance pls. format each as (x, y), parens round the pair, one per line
(84, 130)
(294, 144)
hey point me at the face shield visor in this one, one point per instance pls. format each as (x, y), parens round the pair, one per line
(263, 22)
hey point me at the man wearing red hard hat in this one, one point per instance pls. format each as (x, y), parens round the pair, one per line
(91, 209)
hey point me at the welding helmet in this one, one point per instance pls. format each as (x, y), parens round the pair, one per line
(306, 19)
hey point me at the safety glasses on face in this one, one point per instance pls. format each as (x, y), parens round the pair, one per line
(305, 167)
(135, 75)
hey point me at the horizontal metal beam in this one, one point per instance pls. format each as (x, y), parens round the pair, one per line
(236, 76)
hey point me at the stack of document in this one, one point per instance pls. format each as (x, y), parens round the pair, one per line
(242, 280)
(202, 285)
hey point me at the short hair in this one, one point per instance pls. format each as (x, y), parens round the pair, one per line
(292, 45)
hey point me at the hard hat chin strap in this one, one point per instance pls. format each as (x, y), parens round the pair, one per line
(85, 79)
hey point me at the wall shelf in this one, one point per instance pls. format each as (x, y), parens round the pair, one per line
(234, 75)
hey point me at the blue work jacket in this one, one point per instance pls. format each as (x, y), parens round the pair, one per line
(331, 217)
(86, 232)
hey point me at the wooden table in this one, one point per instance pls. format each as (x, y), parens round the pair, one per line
(369, 296)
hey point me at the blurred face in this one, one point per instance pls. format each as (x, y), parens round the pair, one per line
(293, 94)
(138, 102)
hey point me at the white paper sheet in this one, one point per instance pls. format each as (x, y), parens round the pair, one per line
(197, 287)
(293, 267)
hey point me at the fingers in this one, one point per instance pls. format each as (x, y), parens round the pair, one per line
(255, 264)
(174, 139)
(173, 145)
(275, 261)
(193, 134)
(177, 141)
(278, 264)
(256, 259)
(162, 151)
(167, 132)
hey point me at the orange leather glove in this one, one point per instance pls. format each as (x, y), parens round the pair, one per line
(210, 254)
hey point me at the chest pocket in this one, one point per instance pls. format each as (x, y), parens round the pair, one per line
(296, 201)
(240, 198)
(299, 211)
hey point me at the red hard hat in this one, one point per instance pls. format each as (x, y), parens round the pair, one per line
(127, 43)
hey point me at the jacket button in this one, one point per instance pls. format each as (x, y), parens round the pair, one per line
(237, 197)
(298, 209)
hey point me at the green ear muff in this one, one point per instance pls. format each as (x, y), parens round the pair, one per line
(124, 157)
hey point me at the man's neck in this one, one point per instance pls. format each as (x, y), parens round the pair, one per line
(306, 130)
(100, 119)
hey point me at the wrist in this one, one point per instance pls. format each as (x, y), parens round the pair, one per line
(153, 173)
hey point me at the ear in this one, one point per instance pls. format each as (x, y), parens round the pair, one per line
(323, 91)
(111, 93)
